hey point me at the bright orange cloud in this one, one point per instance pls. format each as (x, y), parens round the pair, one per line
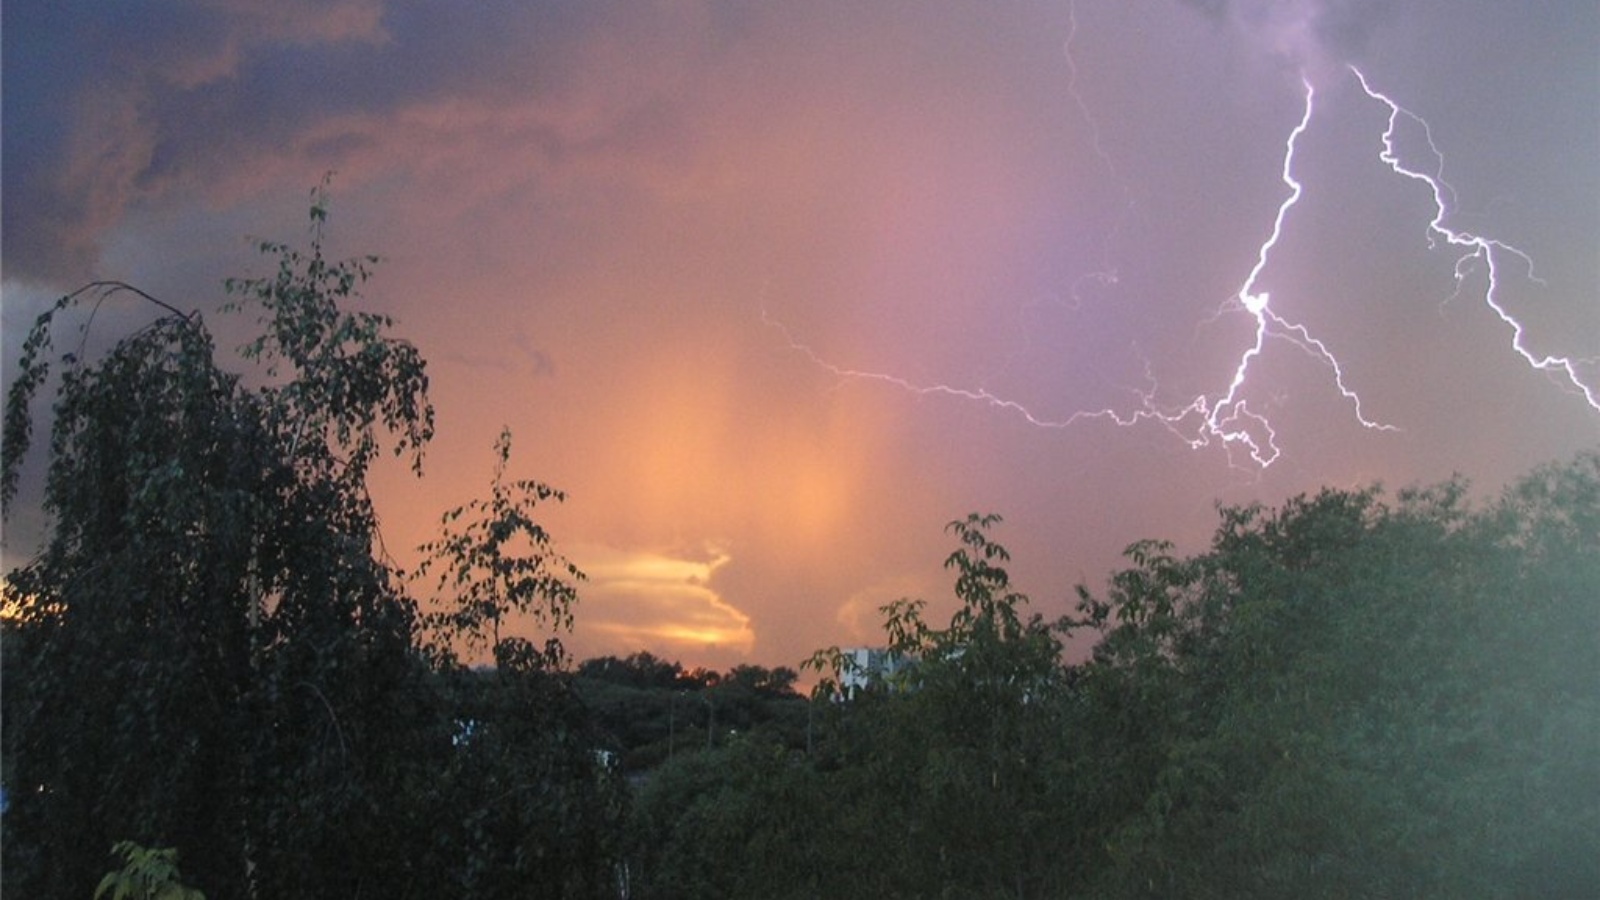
(666, 601)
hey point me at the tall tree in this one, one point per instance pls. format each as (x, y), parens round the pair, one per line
(210, 652)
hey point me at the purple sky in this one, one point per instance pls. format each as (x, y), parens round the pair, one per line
(774, 290)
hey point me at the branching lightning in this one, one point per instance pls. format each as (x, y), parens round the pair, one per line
(1225, 418)
(1475, 248)
(1222, 417)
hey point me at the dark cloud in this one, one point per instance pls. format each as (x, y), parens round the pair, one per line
(1340, 28)
(42, 72)
(1216, 9)
(1345, 26)
(108, 103)
(109, 107)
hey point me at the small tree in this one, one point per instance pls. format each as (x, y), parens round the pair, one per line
(961, 755)
(494, 559)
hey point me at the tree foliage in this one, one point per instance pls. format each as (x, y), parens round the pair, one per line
(213, 653)
(939, 784)
(1348, 695)
(500, 561)
(146, 874)
(1355, 696)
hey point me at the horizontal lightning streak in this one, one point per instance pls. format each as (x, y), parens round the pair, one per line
(980, 395)
(1476, 248)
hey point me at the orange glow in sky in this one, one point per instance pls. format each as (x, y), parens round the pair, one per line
(608, 225)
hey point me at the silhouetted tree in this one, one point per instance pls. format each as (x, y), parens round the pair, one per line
(212, 653)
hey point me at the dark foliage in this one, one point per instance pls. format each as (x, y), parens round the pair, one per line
(1346, 696)
(648, 710)
(212, 654)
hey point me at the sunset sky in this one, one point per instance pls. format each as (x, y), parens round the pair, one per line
(774, 290)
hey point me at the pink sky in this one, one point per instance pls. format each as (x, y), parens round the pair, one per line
(710, 261)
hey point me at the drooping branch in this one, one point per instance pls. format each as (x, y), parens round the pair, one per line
(108, 288)
(18, 425)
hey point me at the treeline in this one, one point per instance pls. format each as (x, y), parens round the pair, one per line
(1348, 696)
(646, 710)
(214, 659)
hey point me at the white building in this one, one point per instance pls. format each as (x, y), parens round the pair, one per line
(864, 667)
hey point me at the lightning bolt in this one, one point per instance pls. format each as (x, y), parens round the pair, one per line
(1221, 418)
(978, 395)
(1225, 418)
(1475, 248)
